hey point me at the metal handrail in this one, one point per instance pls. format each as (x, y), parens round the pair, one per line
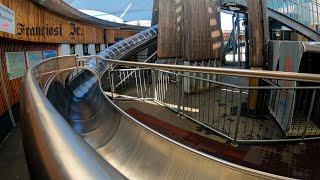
(161, 83)
(67, 155)
(289, 76)
(146, 61)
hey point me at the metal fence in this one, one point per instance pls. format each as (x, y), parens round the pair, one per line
(266, 113)
(281, 108)
(303, 11)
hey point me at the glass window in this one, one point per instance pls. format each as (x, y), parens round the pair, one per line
(98, 48)
(85, 50)
(72, 50)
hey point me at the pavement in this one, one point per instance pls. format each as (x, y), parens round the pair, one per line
(13, 164)
(286, 159)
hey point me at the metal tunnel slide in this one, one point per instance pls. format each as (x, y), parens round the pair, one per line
(74, 131)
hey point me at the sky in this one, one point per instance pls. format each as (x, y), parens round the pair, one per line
(130, 10)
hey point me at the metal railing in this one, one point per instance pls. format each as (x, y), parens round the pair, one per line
(45, 130)
(303, 11)
(278, 110)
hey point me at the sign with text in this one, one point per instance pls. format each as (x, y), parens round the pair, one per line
(7, 20)
(48, 30)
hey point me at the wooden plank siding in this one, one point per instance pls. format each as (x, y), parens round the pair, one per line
(190, 29)
(258, 37)
(13, 86)
(113, 33)
(201, 30)
(31, 14)
(170, 30)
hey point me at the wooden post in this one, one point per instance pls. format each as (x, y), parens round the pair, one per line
(258, 31)
(155, 13)
(259, 37)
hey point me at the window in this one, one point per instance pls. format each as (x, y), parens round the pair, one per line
(98, 48)
(85, 50)
(72, 50)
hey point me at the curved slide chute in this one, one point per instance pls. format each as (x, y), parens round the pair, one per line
(74, 131)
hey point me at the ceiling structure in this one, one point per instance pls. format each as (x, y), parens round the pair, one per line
(128, 10)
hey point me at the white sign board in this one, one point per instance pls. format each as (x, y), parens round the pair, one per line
(7, 20)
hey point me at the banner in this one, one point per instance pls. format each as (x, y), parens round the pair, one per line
(16, 65)
(7, 20)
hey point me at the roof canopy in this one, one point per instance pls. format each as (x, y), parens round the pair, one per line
(128, 10)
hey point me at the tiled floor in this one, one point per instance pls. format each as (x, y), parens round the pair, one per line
(290, 160)
(168, 116)
(215, 107)
(12, 158)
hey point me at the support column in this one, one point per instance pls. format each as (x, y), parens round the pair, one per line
(258, 32)
(155, 13)
(64, 49)
(92, 49)
(78, 49)
(102, 47)
(190, 29)
(259, 37)
(247, 65)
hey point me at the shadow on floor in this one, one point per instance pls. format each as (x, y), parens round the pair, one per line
(289, 159)
(13, 164)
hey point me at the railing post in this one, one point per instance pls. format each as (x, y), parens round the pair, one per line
(309, 115)
(179, 93)
(97, 66)
(111, 80)
(234, 143)
(154, 84)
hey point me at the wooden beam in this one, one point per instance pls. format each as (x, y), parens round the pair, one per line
(258, 32)
(155, 13)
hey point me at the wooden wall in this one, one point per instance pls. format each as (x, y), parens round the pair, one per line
(31, 14)
(113, 33)
(170, 29)
(190, 29)
(202, 30)
(13, 86)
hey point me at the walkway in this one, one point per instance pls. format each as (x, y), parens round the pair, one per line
(291, 160)
(12, 158)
